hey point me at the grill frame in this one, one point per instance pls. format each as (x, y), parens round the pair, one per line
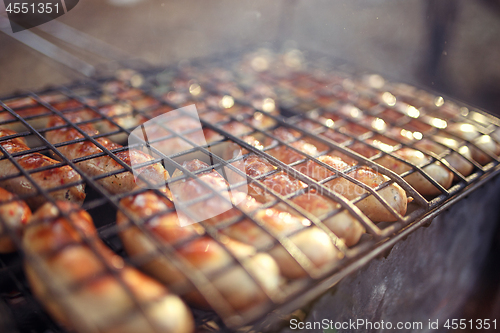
(356, 258)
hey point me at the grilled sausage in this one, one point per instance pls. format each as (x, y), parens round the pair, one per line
(14, 214)
(341, 224)
(470, 133)
(287, 155)
(39, 116)
(233, 150)
(46, 179)
(163, 139)
(236, 286)
(313, 242)
(436, 170)
(161, 131)
(391, 193)
(122, 114)
(370, 206)
(92, 291)
(122, 182)
(456, 160)
(246, 115)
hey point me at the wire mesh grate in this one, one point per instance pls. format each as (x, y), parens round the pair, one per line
(286, 112)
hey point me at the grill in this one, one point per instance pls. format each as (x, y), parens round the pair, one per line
(320, 100)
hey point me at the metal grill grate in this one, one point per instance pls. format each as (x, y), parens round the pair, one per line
(313, 101)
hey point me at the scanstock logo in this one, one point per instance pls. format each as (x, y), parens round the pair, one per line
(26, 14)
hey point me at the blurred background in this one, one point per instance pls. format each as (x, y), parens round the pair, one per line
(449, 46)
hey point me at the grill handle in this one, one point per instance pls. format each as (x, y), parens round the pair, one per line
(47, 48)
(78, 40)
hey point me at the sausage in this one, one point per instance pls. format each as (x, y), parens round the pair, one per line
(233, 150)
(455, 159)
(256, 166)
(122, 182)
(370, 206)
(100, 299)
(163, 126)
(14, 215)
(38, 115)
(247, 115)
(391, 193)
(470, 133)
(46, 179)
(120, 112)
(314, 243)
(436, 170)
(281, 152)
(341, 224)
(287, 155)
(165, 140)
(233, 283)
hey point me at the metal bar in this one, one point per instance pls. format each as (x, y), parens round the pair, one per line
(83, 41)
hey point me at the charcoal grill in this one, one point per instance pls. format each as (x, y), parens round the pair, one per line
(294, 95)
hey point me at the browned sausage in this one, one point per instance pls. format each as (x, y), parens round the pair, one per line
(47, 179)
(101, 299)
